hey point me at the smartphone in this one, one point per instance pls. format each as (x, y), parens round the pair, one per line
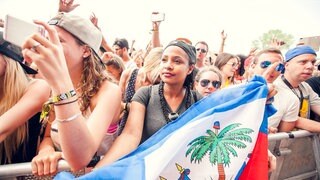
(157, 17)
(16, 30)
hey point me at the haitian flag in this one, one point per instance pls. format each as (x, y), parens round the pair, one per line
(222, 136)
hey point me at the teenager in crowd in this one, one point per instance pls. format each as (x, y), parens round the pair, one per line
(85, 103)
(21, 99)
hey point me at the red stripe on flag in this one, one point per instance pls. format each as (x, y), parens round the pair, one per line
(257, 167)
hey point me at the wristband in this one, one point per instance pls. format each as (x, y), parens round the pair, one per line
(69, 102)
(69, 118)
(64, 96)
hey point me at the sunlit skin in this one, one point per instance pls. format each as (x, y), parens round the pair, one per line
(273, 58)
(205, 91)
(300, 68)
(228, 70)
(118, 50)
(174, 65)
(199, 54)
(112, 70)
(72, 50)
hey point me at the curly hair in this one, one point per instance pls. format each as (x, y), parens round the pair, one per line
(92, 77)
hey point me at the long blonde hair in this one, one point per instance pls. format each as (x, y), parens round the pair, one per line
(152, 64)
(14, 86)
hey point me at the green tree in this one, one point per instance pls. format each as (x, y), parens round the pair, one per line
(274, 38)
(219, 146)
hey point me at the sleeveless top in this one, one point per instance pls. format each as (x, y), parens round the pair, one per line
(30, 145)
(105, 144)
(130, 91)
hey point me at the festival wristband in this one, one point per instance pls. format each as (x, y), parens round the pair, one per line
(64, 96)
(69, 118)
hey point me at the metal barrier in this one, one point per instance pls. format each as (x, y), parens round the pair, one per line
(24, 170)
(298, 157)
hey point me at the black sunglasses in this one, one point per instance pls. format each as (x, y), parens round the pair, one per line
(202, 50)
(205, 83)
(265, 64)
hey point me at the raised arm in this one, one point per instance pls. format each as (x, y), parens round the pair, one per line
(223, 40)
(79, 137)
(104, 43)
(155, 39)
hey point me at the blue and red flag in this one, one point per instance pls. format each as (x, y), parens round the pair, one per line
(223, 136)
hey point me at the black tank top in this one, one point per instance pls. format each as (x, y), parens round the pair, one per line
(30, 145)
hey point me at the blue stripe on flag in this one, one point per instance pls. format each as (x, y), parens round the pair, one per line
(133, 166)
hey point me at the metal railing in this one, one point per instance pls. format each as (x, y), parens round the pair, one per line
(24, 169)
(288, 147)
(298, 155)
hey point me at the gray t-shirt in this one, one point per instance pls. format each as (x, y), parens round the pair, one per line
(154, 117)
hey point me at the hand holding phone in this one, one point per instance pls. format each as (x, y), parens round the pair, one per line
(157, 17)
(17, 30)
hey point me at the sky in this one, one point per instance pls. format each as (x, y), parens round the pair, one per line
(198, 20)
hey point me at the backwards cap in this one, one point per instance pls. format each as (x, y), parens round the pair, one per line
(80, 27)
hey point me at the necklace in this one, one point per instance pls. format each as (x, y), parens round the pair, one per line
(168, 114)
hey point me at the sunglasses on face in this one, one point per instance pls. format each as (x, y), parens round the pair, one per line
(205, 83)
(265, 64)
(202, 50)
(234, 64)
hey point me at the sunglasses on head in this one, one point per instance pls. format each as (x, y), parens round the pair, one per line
(265, 64)
(205, 83)
(202, 50)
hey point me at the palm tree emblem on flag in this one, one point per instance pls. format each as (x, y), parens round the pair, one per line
(219, 146)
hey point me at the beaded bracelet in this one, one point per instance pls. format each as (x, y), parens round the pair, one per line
(69, 118)
(69, 102)
(64, 96)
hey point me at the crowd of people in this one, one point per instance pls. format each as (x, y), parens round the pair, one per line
(72, 95)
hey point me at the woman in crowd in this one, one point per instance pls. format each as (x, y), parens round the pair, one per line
(227, 64)
(21, 99)
(114, 65)
(208, 80)
(85, 103)
(155, 106)
(134, 79)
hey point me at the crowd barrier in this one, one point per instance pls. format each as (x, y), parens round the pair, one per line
(298, 155)
(297, 152)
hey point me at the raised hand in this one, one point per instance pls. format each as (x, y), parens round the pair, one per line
(223, 35)
(67, 5)
(94, 20)
(276, 43)
(48, 55)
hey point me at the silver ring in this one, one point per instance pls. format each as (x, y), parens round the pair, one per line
(34, 47)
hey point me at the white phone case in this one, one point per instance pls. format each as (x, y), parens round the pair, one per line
(17, 30)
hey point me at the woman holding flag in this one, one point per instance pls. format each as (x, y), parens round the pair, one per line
(173, 95)
(155, 106)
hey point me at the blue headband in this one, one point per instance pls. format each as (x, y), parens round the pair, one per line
(297, 51)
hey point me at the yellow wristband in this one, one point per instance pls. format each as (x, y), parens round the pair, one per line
(64, 96)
